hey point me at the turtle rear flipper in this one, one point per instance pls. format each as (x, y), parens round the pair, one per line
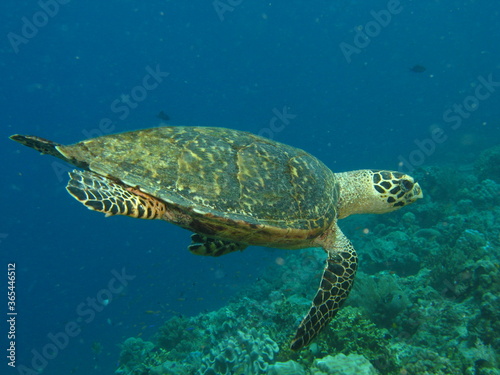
(40, 144)
(335, 286)
(49, 148)
(101, 194)
(202, 245)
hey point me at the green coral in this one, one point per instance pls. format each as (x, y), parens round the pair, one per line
(137, 357)
(420, 361)
(352, 332)
(381, 296)
(179, 336)
(488, 164)
(484, 195)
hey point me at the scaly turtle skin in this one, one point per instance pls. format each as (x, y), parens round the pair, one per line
(234, 189)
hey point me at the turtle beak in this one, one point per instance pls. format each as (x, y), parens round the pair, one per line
(415, 193)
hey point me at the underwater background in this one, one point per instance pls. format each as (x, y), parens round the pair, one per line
(403, 85)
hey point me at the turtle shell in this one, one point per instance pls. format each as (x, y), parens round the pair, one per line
(219, 172)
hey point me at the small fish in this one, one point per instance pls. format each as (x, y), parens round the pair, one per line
(418, 68)
(163, 116)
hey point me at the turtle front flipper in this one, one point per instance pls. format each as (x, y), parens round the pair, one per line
(101, 194)
(203, 245)
(335, 286)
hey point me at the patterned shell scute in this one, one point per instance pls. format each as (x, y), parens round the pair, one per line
(224, 172)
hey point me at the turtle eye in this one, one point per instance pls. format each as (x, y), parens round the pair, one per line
(407, 185)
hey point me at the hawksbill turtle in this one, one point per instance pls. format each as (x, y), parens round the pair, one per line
(234, 189)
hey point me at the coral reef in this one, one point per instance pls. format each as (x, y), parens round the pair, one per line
(353, 364)
(485, 194)
(488, 164)
(419, 361)
(353, 332)
(426, 298)
(247, 352)
(286, 368)
(382, 296)
(137, 357)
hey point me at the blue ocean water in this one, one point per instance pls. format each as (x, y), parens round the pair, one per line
(302, 73)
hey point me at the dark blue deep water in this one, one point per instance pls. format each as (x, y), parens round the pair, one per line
(301, 72)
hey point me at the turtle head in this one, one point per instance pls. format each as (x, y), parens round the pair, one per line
(375, 192)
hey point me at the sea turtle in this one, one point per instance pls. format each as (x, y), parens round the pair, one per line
(234, 189)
